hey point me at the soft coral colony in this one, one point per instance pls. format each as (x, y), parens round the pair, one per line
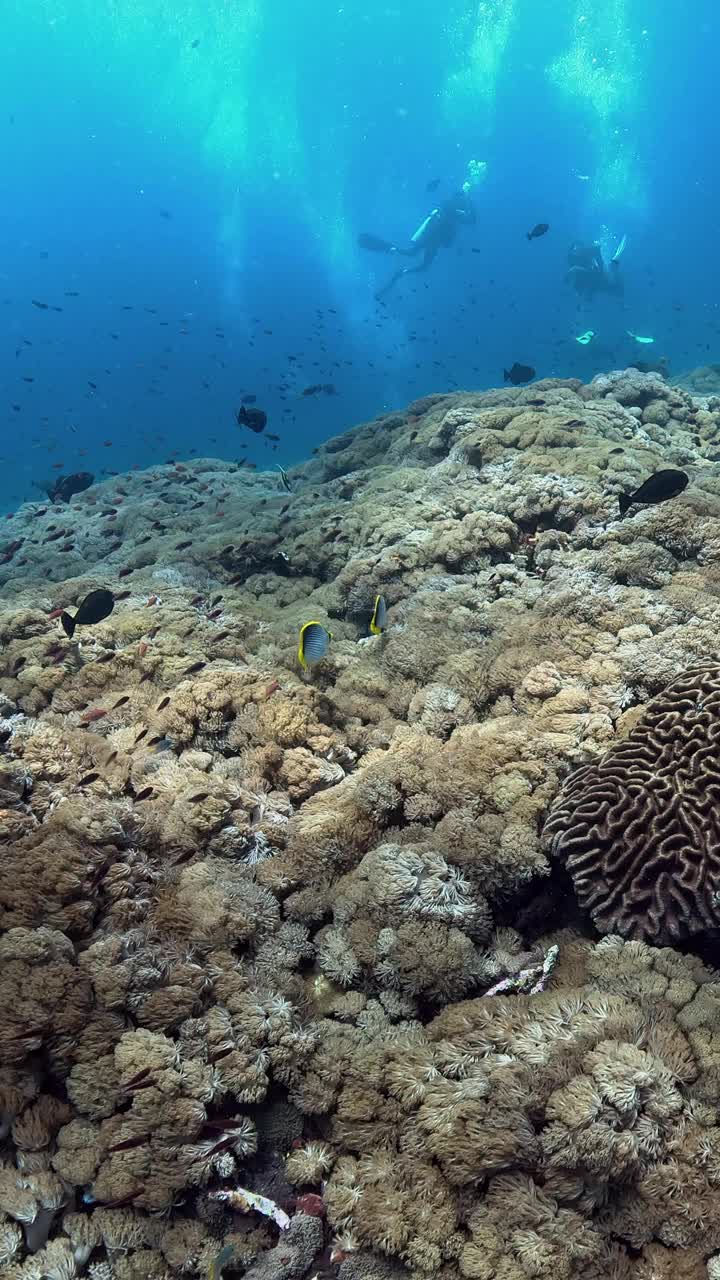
(367, 969)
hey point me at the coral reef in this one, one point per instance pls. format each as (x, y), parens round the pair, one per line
(640, 829)
(703, 381)
(313, 933)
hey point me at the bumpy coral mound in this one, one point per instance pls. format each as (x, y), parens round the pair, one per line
(640, 829)
(240, 901)
(557, 1123)
(703, 381)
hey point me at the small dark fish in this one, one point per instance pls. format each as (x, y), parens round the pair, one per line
(539, 230)
(165, 213)
(518, 374)
(313, 389)
(41, 306)
(96, 606)
(120, 1203)
(126, 1144)
(120, 702)
(657, 488)
(248, 400)
(329, 389)
(89, 777)
(254, 419)
(196, 666)
(163, 703)
(433, 184)
(145, 794)
(195, 44)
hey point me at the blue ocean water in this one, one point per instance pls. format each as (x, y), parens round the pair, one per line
(183, 183)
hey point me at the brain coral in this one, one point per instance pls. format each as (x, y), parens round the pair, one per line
(639, 830)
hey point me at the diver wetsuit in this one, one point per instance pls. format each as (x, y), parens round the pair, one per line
(587, 272)
(438, 231)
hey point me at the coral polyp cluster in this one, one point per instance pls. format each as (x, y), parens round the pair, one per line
(323, 947)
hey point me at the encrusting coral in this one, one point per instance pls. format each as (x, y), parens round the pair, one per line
(311, 933)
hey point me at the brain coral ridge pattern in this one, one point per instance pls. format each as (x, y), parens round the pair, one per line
(639, 830)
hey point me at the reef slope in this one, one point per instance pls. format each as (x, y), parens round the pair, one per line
(301, 932)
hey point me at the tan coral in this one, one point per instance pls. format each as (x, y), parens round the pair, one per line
(44, 993)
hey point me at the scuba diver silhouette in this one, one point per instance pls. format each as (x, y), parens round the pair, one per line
(437, 231)
(587, 271)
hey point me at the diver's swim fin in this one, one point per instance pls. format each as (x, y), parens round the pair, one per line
(374, 243)
(620, 250)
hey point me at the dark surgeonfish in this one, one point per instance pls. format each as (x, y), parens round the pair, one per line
(519, 373)
(255, 419)
(539, 230)
(657, 488)
(96, 606)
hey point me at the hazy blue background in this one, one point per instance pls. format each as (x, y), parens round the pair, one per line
(209, 163)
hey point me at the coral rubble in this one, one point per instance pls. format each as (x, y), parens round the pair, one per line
(313, 933)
